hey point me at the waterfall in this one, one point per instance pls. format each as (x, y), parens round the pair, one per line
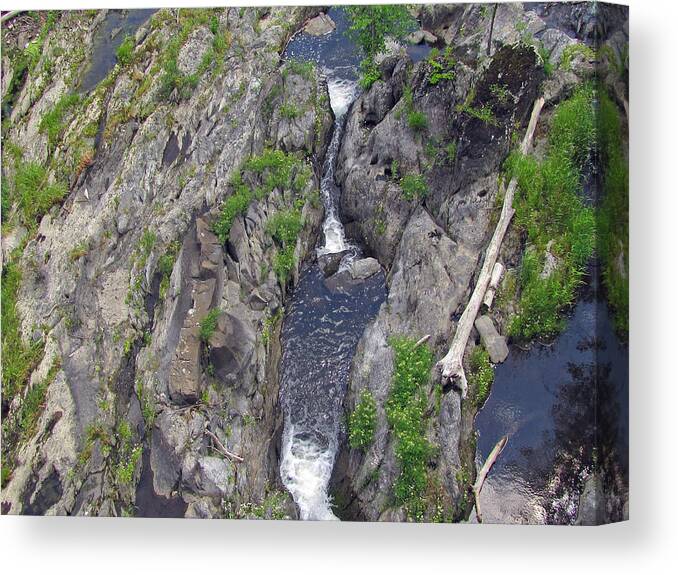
(342, 92)
(310, 438)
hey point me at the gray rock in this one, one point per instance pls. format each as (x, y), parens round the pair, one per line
(193, 50)
(320, 25)
(591, 503)
(365, 268)
(494, 343)
(329, 263)
(420, 36)
(215, 477)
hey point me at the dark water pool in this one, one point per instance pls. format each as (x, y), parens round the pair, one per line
(564, 407)
(112, 31)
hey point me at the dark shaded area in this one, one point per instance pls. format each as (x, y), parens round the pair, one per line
(49, 493)
(148, 503)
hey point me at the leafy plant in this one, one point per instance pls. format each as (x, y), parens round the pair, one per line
(551, 211)
(481, 375)
(125, 51)
(405, 411)
(413, 186)
(370, 26)
(362, 422)
(209, 324)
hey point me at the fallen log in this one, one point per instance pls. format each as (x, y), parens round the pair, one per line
(497, 273)
(451, 366)
(480, 480)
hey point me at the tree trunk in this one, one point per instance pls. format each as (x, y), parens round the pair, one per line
(480, 480)
(451, 366)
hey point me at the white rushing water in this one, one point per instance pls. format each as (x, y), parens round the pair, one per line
(305, 470)
(307, 459)
(342, 92)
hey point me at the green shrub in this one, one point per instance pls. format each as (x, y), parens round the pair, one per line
(362, 422)
(284, 262)
(289, 111)
(613, 213)
(481, 375)
(573, 50)
(369, 73)
(32, 194)
(236, 204)
(417, 121)
(125, 51)
(451, 152)
(413, 186)
(52, 121)
(285, 226)
(550, 209)
(209, 324)
(406, 414)
(442, 66)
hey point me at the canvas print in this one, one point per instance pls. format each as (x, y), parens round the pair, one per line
(357, 263)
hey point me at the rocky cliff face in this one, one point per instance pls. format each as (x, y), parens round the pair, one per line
(447, 125)
(151, 386)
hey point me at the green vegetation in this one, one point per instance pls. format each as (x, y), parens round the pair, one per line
(451, 152)
(501, 93)
(284, 227)
(270, 322)
(552, 214)
(413, 186)
(370, 27)
(172, 78)
(21, 427)
(30, 192)
(209, 324)
(613, 214)
(483, 113)
(274, 169)
(573, 50)
(363, 421)
(406, 414)
(289, 111)
(442, 65)
(25, 61)
(19, 358)
(236, 204)
(165, 267)
(481, 375)
(417, 120)
(147, 405)
(273, 507)
(125, 51)
(52, 122)
(303, 68)
(128, 455)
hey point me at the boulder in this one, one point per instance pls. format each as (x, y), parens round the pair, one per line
(320, 25)
(329, 263)
(494, 343)
(365, 268)
(422, 36)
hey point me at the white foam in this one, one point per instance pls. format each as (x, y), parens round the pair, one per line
(342, 92)
(305, 470)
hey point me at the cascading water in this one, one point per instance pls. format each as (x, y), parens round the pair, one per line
(322, 324)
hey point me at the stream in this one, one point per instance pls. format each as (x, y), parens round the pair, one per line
(324, 319)
(564, 407)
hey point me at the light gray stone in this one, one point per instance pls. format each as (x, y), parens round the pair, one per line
(365, 268)
(494, 343)
(320, 25)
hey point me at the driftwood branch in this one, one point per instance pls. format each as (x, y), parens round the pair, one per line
(422, 341)
(451, 366)
(221, 449)
(480, 480)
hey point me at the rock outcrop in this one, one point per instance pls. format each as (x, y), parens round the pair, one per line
(123, 316)
(450, 136)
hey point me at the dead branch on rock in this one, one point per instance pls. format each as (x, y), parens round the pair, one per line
(451, 366)
(221, 449)
(480, 480)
